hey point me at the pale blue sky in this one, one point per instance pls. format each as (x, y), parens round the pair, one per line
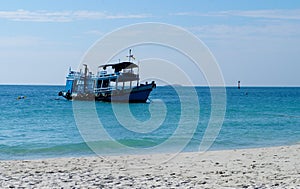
(254, 41)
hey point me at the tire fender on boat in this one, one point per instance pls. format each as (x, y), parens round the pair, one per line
(153, 84)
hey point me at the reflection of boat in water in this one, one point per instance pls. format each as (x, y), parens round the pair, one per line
(118, 82)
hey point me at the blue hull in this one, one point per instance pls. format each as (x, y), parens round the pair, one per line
(136, 95)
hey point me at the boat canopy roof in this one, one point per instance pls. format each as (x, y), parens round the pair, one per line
(119, 66)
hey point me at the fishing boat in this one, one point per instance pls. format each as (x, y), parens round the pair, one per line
(114, 82)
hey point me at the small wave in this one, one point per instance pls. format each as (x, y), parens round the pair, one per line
(73, 149)
(43, 151)
(283, 115)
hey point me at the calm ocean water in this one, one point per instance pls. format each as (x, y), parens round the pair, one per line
(43, 125)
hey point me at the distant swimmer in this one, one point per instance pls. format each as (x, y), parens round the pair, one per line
(21, 97)
(239, 84)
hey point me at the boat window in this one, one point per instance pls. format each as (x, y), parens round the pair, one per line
(105, 83)
(99, 83)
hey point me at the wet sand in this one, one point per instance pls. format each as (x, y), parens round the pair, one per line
(275, 167)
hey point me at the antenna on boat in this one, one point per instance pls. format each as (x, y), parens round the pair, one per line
(138, 67)
(85, 77)
(130, 56)
(138, 73)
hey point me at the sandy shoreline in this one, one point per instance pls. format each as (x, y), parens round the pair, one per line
(275, 167)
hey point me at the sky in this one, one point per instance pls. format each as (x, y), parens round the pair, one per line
(254, 41)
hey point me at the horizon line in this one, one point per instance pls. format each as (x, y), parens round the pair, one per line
(47, 84)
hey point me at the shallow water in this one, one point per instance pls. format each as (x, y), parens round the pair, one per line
(44, 125)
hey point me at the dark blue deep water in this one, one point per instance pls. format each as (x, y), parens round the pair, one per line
(44, 125)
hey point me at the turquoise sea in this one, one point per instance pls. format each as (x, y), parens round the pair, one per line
(44, 125)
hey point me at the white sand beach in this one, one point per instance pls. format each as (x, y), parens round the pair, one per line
(274, 167)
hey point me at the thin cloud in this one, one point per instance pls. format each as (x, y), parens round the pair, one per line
(265, 14)
(19, 41)
(248, 32)
(94, 32)
(276, 23)
(210, 14)
(64, 16)
(14, 42)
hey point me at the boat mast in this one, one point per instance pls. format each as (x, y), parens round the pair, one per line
(85, 78)
(129, 56)
(138, 73)
(129, 60)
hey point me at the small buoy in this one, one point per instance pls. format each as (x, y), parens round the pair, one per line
(21, 97)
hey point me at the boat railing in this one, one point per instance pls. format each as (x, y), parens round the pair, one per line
(79, 75)
(105, 89)
(108, 75)
(128, 77)
(128, 71)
